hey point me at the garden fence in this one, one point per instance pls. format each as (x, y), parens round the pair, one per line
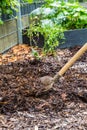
(11, 30)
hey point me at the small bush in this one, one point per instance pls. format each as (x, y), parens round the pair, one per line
(53, 18)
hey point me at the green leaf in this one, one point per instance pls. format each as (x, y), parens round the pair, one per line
(29, 1)
(35, 53)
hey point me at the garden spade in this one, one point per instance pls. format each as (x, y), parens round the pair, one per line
(48, 81)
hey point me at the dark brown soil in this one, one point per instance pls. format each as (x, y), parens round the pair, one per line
(19, 85)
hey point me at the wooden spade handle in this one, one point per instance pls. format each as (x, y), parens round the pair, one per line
(72, 60)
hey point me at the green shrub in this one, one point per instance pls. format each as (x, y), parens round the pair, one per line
(53, 18)
(7, 7)
(52, 33)
(68, 15)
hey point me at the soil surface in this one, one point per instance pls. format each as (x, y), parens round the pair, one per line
(64, 107)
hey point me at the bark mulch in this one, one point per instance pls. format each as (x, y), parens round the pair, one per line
(64, 107)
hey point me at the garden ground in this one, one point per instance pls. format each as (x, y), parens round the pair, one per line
(64, 107)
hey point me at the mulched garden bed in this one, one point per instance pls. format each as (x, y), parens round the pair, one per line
(64, 107)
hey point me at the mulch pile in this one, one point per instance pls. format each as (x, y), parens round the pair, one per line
(19, 85)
